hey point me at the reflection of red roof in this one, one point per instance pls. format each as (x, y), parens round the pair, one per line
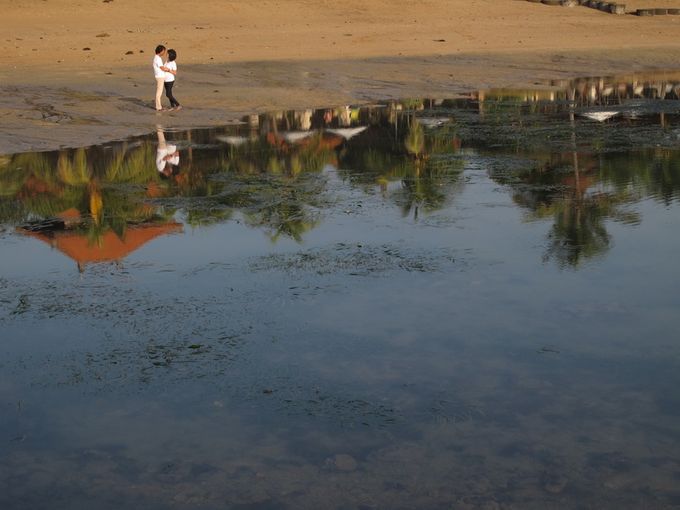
(70, 216)
(327, 141)
(108, 247)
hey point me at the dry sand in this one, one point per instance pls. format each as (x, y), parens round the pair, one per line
(79, 72)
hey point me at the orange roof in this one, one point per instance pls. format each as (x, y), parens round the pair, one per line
(109, 247)
(328, 141)
(70, 214)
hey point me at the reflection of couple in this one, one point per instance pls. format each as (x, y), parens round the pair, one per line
(165, 73)
(167, 156)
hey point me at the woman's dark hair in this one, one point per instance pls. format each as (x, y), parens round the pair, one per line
(159, 49)
(169, 170)
(172, 55)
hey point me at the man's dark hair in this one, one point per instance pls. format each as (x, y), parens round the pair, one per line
(172, 55)
(159, 49)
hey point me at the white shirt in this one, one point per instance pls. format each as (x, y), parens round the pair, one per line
(174, 160)
(162, 152)
(170, 65)
(157, 63)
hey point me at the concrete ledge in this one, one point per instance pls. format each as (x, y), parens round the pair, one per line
(657, 12)
(609, 7)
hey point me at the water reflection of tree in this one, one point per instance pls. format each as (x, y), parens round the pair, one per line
(275, 183)
(80, 185)
(285, 216)
(414, 142)
(578, 231)
(567, 183)
(651, 172)
(569, 189)
(270, 170)
(272, 178)
(96, 190)
(426, 163)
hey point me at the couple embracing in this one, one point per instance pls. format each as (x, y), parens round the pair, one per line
(165, 73)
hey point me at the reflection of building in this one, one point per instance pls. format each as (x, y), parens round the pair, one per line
(108, 247)
(594, 91)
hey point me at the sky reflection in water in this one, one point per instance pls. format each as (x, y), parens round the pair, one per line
(419, 304)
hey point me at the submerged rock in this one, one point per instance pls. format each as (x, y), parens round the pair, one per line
(342, 462)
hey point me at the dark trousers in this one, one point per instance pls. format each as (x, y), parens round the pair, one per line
(168, 93)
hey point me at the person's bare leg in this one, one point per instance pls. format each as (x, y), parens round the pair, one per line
(159, 92)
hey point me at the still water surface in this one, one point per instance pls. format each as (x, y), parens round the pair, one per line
(469, 303)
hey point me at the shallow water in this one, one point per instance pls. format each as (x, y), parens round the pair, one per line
(465, 304)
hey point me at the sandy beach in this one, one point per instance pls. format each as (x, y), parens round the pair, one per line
(77, 73)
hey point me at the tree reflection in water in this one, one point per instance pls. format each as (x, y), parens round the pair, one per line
(581, 173)
(272, 169)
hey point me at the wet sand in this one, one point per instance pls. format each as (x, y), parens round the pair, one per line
(75, 74)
